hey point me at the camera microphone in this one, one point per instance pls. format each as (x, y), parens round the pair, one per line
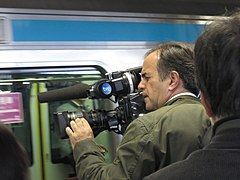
(72, 92)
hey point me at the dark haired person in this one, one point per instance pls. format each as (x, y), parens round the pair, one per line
(13, 158)
(217, 59)
(167, 134)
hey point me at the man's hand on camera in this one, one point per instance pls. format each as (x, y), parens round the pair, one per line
(80, 130)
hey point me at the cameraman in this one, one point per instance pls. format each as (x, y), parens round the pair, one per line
(168, 134)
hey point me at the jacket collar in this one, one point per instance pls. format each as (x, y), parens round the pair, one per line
(180, 96)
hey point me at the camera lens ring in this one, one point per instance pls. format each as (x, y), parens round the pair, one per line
(131, 85)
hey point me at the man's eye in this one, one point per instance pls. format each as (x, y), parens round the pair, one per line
(146, 77)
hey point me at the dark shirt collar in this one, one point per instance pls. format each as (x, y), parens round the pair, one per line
(229, 122)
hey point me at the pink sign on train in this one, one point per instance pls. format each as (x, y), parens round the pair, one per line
(11, 108)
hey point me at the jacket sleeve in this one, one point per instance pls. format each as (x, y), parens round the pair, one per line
(136, 150)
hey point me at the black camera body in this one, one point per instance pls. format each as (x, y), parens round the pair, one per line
(120, 85)
(117, 120)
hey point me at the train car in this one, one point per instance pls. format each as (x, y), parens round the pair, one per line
(44, 50)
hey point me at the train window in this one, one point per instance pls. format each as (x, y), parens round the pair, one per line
(22, 130)
(37, 132)
(60, 147)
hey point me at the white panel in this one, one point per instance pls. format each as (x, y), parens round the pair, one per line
(4, 32)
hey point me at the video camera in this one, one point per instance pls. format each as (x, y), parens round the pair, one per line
(120, 87)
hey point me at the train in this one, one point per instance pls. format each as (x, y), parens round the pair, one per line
(44, 50)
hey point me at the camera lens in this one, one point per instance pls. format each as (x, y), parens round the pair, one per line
(62, 120)
(71, 116)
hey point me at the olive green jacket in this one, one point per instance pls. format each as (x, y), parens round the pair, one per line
(150, 142)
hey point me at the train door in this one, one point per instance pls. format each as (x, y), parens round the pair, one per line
(50, 156)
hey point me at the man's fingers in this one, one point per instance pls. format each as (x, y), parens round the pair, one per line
(79, 130)
(82, 122)
(74, 126)
(85, 123)
(69, 131)
(70, 134)
(79, 122)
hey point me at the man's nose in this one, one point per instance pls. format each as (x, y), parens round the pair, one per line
(141, 85)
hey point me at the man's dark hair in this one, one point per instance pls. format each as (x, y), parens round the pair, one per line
(177, 56)
(217, 59)
(13, 158)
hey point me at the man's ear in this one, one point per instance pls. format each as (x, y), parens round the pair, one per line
(174, 80)
(206, 105)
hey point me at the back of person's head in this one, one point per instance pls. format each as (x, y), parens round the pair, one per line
(217, 59)
(177, 56)
(13, 158)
